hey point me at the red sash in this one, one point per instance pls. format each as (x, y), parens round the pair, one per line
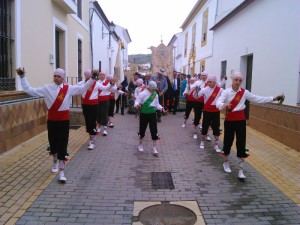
(86, 100)
(201, 99)
(53, 113)
(237, 115)
(208, 105)
(190, 97)
(112, 96)
(102, 98)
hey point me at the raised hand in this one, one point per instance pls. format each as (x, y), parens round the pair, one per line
(279, 98)
(21, 72)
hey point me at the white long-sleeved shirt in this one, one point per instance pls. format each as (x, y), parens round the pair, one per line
(50, 92)
(207, 92)
(98, 86)
(198, 83)
(138, 90)
(143, 96)
(228, 94)
(104, 92)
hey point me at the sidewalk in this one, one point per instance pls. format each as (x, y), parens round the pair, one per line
(105, 185)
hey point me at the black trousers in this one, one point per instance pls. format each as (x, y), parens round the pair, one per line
(237, 128)
(197, 106)
(150, 119)
(102, 113)
(161, 100)
(58, 136)
(111, 107)
(174, 99)
(211, 119)
(90, 116)
(121, 100)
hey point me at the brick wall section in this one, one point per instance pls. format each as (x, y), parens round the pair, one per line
(20, 122)
(280, 122)
(12, 95)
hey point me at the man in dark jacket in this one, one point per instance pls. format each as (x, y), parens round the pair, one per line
(122, 98)
(174, 93)
(162, 88)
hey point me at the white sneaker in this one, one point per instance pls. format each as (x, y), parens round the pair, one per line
(200, 126)
(195, 136)
(241, 175)
(155, 152)
(62, 177)
(104, 133)
(98, 130)
(216, 147)
(54, 168)
(91, 146)
(110, 124)
(140, 148)
(208, 138)
(183, 125)
(226, 167)
(202, 145)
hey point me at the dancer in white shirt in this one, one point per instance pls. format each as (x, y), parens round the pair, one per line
(233, 101)
(58, 98)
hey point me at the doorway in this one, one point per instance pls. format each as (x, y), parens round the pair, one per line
(249, 67)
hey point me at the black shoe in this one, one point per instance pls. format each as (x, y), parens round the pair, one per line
(122, 113)
(117, 111)
(158, 120)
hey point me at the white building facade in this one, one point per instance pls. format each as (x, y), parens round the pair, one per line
(259, 38)
(105, 40)
(197, 38)
(47, 35)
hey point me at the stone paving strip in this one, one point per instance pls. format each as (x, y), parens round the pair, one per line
(25, 173)
(277, 162)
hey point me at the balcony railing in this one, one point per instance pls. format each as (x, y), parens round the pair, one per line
(7, 84)
(69, 6)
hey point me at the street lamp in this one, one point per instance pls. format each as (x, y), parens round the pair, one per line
(112, 27)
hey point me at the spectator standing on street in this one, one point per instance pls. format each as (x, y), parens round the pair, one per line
(162, 88)
(121, 100)
(174, 99)
(131, 88)
(58, 98)
(112, 102)
(147, 78)
(233, 101)
(147, 102)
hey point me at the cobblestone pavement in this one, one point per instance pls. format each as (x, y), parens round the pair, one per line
(103, 184)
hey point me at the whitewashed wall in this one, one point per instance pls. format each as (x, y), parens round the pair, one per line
(270, 31)
(100, 46)
(205, 52)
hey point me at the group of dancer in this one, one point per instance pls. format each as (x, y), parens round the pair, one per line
(205, 95)
(98, 100)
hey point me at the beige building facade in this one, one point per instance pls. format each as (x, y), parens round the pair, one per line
(51, 34)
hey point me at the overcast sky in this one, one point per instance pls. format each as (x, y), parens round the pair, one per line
(148, 20)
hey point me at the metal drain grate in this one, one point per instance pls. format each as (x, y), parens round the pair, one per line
(162, 180)
(166, 214)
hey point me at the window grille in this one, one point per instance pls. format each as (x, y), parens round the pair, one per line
(7, 80)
